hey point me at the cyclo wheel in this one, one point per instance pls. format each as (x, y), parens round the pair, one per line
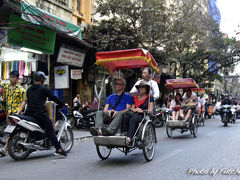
(103, 152)
(15, 151)
(169, 131)
(149, 143)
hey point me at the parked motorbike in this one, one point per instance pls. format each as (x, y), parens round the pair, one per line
(225, 113)
(234, 113)
(84, 118)
(3, 124)
(27, 136)
(160, 116)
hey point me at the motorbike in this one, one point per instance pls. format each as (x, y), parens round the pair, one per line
(3, 125)
(160, 116)
(225, 112)
(84, 118)
(27, 136)
(234, 113)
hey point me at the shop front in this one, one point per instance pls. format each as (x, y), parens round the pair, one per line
(37, 40)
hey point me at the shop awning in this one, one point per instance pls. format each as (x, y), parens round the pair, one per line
(40, 17)
(126, 59)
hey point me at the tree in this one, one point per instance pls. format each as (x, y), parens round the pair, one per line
(184, 29)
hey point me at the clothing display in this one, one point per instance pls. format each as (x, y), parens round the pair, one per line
(24, 68)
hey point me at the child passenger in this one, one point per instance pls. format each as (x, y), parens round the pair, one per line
(176, 107)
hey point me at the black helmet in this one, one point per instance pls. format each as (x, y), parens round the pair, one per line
(14, 73)
(40, 76)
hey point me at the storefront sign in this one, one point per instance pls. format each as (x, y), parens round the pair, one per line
(33, 37)
(40, 17)
(76, 73)
(61, 77)
(68, 56)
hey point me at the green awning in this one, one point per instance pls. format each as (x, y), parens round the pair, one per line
(37, 16)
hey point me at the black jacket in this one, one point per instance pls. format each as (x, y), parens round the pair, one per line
(36, 98)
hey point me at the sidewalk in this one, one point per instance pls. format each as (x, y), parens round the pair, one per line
(81, 133)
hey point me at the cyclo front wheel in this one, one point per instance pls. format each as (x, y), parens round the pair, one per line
(169, 131)
(149, 142)
(103, 152)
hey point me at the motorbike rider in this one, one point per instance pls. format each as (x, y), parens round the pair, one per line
(36, 98)
(226, 101)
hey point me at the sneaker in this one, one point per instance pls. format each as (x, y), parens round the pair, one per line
(94, 131)
(105, 132)
(2, 152)
(62, 153)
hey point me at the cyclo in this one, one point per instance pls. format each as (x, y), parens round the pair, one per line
(182, 125)
(145, 135)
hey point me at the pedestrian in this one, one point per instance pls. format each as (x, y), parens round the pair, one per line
(77, 99)
(146, 76)
(115, 106)
(14, 96)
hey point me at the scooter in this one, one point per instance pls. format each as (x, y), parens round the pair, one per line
(234, 113)
(84, 118)
(225, 112)
(27, 136)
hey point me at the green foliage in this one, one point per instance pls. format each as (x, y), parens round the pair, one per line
(189, 36)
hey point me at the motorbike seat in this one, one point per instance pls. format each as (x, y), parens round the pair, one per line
(28, 118)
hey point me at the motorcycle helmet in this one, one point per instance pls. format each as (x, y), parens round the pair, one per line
(40, 76)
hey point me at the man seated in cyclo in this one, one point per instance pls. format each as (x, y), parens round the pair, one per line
(201, 104)
(115, 106)
(189, 100)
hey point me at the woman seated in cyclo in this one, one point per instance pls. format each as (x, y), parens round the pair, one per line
(189, 100)
(134, 116)
(175, 106)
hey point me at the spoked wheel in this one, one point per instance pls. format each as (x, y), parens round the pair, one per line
(103, 152)
(67, 139)
(169, 131)
(149, 143)
(15, 150)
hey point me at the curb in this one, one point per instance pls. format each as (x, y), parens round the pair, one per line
(82, 137)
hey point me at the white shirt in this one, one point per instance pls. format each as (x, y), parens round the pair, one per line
(201, 101)
(153, 85)
(173, 104)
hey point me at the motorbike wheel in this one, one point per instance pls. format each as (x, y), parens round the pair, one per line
(2, 141)
(16, 151)
(103, 152)
(67, 139)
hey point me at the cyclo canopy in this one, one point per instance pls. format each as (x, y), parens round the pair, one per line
(181, 83)
(126, 59)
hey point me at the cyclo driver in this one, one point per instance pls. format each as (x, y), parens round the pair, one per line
(189, 100)
(36, 98)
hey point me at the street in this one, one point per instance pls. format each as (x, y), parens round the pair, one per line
(214, 154)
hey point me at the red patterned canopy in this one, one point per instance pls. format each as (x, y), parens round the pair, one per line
(180, 83)
(126, 59)
(199, 90)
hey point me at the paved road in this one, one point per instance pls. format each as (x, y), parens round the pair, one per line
(214, 154)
